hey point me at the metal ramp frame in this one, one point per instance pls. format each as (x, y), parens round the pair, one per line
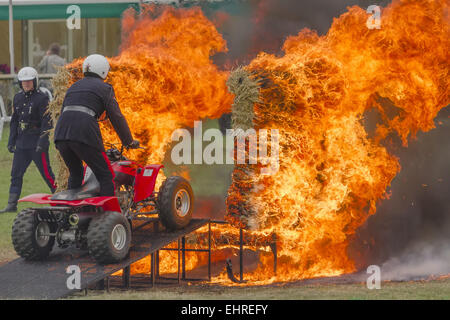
(21, 279)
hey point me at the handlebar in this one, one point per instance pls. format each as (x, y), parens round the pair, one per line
(114, 145)
(116, 154)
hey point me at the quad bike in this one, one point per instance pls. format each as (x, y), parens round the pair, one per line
(102, 225)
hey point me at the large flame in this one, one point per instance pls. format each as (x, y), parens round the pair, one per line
(331, 173)
(164, 78)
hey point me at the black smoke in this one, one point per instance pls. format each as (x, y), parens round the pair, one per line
(254, 26)
(409, 236)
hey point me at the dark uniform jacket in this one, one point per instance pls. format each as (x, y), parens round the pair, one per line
(29, 122)
(93, 93)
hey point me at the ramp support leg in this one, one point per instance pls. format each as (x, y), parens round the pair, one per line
(274, 251)
(156, 229)
(100, 285)
(157, 264)
(241, 255)
(209, 251)
(126, 277)
(103, 284)
(152, 267)
(178, 240)
(183, 258)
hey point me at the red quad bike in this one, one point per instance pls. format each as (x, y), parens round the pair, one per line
(101, 224)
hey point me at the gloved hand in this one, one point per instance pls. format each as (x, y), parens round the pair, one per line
(39, 149)
(133, 145)
(11, 148)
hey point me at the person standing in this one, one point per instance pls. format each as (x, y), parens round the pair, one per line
(28, 138)
(50, 62)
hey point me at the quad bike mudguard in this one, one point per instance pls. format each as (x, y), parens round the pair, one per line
(107, 203)
(145, 181)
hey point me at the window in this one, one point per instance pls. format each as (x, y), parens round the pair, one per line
(96, 35)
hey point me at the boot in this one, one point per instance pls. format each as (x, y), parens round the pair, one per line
(12, 203)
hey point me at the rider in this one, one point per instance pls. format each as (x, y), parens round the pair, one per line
(77, 133)
(28, 138)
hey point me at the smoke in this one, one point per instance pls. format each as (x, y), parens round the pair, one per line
(409, 236)
(418, 261)
(254, 26)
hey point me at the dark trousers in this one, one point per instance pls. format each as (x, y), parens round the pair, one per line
(73, 153)
(21, 162)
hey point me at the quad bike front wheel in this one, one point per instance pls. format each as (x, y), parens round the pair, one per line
(175, 203)
(30, 237)
(109, 237)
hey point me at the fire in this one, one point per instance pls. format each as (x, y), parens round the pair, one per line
(163, 77)
(332, 174)
(164, 80)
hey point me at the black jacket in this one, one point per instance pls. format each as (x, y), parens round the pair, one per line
(93, 93)
(29, 122)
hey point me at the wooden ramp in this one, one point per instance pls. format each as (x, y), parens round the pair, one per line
(21, 279)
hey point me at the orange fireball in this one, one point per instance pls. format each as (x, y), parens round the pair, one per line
(164, 78)
(331, 173)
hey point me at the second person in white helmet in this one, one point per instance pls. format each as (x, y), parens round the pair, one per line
(28, 137)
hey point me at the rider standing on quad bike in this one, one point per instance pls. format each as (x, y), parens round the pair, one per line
(77, 133)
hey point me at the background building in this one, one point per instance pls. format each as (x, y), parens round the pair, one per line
(39, 23)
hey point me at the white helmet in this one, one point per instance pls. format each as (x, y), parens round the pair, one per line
(28, 73)
(97, 64)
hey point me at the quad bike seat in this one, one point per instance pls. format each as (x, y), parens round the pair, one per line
(89, 189)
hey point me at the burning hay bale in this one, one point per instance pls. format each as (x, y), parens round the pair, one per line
(331, 174)
(60, 84)
(246, 92)
(163, 79)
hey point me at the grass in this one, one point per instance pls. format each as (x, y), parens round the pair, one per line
(206, 180)
(418, 290)
(32, 183)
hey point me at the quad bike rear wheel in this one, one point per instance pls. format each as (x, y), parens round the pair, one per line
(30, 237)
(175, 203)
(109, 237)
